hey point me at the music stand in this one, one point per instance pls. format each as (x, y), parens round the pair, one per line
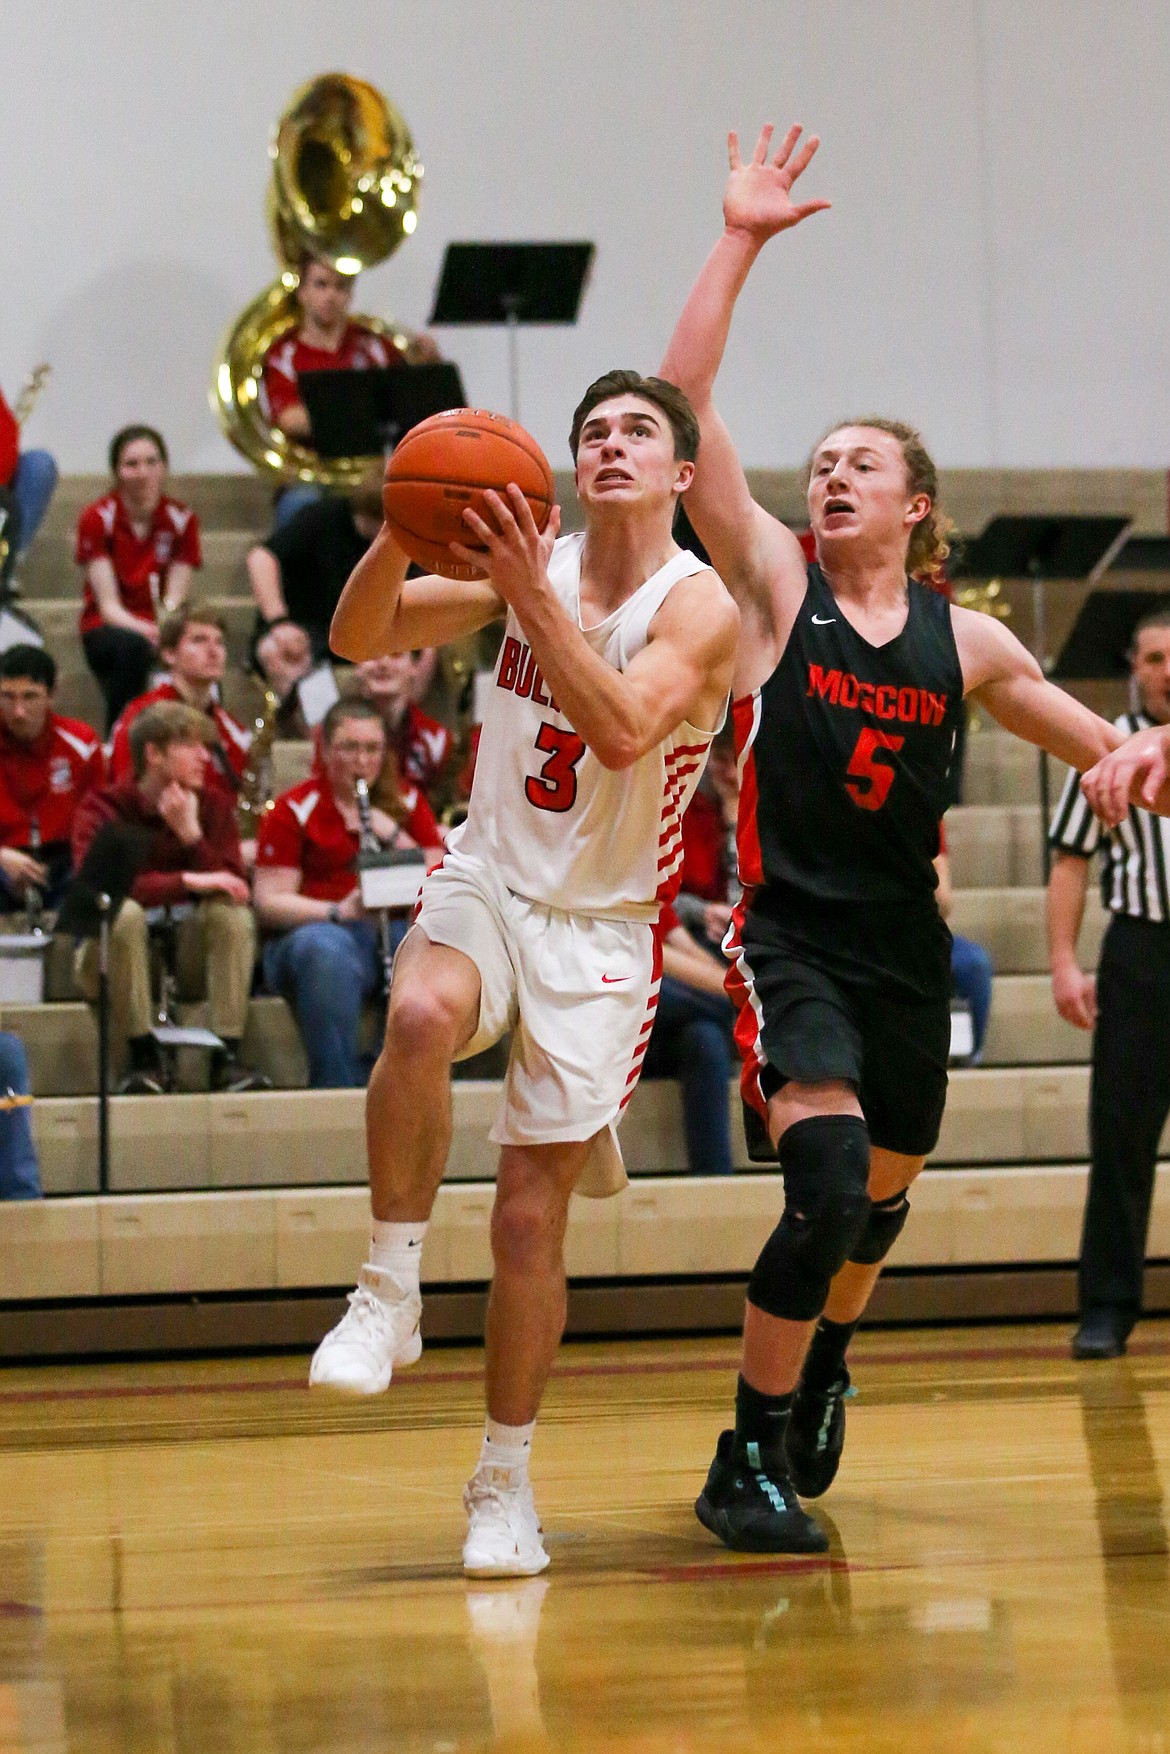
(1097, 648)
(365, 413)
(104, 879)
(488, 284)
(1052, 546)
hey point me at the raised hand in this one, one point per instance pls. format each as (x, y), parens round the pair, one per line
(517, 552)
(758, 196)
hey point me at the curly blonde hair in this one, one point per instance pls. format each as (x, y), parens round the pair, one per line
(930, 540)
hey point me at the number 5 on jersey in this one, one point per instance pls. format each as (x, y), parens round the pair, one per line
(875, 776)
(555, 786)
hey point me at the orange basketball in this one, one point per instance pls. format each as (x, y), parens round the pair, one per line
(442, 466)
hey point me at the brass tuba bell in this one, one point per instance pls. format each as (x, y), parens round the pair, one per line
(344, 188)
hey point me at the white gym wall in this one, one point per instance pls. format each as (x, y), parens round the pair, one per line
(996, 266)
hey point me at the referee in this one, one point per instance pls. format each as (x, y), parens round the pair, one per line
(1129, 1005)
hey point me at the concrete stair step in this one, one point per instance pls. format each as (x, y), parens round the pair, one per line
(1021, 1115)
(995, 846)
(126, 1245)
(49, 569)
(61, 1038)
(1009, 922)
(223, 502)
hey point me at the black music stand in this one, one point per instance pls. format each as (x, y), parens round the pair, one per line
(1052, 546)
(1097, 648)
(506, 283)
(104, 879)
(365, 413)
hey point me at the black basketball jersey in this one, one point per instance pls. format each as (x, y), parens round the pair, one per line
(845, 753)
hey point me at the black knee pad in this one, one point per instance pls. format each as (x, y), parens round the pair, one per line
(825, 1163)
(882, 1230)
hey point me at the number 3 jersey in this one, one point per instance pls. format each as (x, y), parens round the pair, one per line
(555, 825)
(845, 755)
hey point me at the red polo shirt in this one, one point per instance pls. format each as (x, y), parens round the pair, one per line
(234, 740)
(287, 358)
(9, 442)
(46, 780)
(141, 564)
(304, 831)
(704, 866)
(161, 883)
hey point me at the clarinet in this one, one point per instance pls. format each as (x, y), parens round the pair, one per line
(368, 842)
(34, 901)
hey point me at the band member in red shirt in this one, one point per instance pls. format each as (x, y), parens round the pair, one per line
(194, 858)
(138, 547)
(47, 765)
(324, 954)
(327, 339)
(417, 746)
(192, 643)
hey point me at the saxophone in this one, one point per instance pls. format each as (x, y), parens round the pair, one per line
(255, 794)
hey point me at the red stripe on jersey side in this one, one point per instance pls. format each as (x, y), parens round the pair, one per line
(682, 749)
(658, 933)
(749, 1017)
(745, 714)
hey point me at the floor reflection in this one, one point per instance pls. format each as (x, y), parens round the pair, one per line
(1130, 1509)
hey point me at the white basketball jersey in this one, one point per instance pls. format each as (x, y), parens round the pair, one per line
(556, 825)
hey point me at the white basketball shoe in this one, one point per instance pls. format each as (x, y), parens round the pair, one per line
(504, 1532)
(378, 1331)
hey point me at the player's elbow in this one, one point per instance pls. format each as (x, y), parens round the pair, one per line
(617, 750)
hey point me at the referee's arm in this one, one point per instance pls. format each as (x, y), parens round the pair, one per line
(1074, 837)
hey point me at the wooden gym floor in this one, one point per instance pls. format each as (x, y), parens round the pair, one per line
(199, 1556)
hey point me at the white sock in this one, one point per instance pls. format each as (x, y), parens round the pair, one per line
(397, 1249)
(507, 1447)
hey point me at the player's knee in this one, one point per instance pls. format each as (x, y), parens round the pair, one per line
(825, 1163)
(524, 1232)
(882, 1230)
(422, 1024)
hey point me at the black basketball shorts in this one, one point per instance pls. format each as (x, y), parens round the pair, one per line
(798, 1022)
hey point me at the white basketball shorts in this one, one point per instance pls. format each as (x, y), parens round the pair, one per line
(579, 994)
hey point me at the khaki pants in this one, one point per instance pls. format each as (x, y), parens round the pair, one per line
(214, 954)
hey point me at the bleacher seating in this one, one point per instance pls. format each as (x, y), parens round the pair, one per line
(266, 1192)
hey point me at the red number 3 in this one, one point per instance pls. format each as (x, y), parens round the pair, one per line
(555, 786)
(864, 765)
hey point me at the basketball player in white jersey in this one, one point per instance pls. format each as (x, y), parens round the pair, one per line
(612, 679)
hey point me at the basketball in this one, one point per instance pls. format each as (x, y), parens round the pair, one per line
(442, 467)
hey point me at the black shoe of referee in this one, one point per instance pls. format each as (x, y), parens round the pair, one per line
(749, 1503)
(815, 1435)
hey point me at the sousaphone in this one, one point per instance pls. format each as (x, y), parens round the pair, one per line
(345, 183)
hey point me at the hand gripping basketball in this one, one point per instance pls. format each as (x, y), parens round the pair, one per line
(443, 467)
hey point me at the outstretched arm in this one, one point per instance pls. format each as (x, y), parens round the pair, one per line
(1136, 773)
(1005, 678)
(746, 545)
(380, 611)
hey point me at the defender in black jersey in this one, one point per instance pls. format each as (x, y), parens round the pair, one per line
(849, 690)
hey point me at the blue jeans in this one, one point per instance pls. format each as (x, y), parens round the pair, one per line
(971, 978)
(291, 500)
(20, 1176)
(32, 489)
(327, 972)
(692, 1041)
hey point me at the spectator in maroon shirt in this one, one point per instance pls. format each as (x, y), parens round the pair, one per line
(47, 766)
(138, 547)
(194, 858)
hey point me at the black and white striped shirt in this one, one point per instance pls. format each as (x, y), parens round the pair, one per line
(1136, 854)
